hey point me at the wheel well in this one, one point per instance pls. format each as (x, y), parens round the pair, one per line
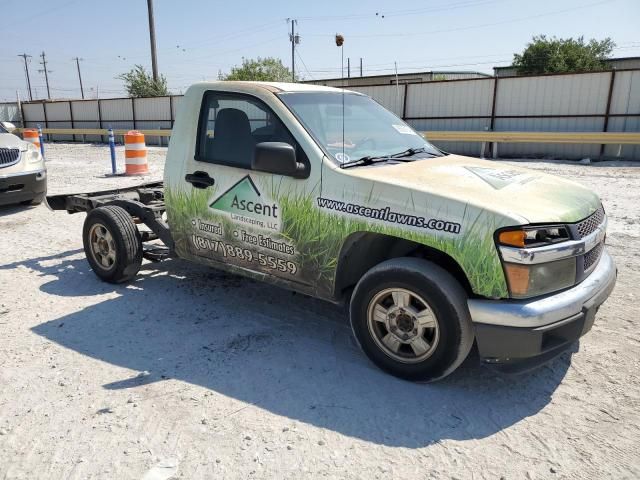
(363, 250)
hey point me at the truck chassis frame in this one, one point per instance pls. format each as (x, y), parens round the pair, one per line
(144, 202)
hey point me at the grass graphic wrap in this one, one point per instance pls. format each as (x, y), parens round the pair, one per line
(318, 237)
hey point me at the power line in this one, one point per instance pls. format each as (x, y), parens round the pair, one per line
(20, 21)
(238, 33)
(424, 67)
(446, 7)
(304, 65)
(397, 13)
(421, 63)
(468, 27)
(193, 60)
(329, 70)
(223, 38)
(411, 70)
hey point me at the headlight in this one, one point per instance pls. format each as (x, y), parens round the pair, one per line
(32, 154)
(528, 272)
(537, 279)
(533, 236)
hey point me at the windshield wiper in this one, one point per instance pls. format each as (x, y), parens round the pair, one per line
(409, 152)
(368, 160)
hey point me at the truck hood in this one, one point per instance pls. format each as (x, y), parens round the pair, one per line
(9, 140)
(528, 195)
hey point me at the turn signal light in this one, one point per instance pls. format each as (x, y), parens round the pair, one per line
(527, 281)
(514, 238)
(534, 236)
(518, 278)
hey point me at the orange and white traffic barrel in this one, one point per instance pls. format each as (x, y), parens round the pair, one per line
(135, 153)
(31, 135)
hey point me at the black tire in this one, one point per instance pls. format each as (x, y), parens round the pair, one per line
(442, 294)
(126, 242)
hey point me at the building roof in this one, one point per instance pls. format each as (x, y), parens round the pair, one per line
(276, 86)
(606, 60)
(298, 87)
(402, 75)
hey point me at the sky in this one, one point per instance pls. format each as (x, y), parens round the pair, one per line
(197, 39)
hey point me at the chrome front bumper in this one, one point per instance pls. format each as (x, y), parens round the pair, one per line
(552, 308)
(517, 335)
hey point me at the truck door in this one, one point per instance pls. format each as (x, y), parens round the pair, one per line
(226, 213)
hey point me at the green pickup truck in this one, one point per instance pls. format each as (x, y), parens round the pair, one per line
(325, 192)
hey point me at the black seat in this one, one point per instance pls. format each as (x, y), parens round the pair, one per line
(232, 140)
(273, 132)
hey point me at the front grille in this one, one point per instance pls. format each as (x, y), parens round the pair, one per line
(591, 223)
(592, 256)
(9, 156)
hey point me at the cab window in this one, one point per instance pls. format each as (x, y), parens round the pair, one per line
(232, 124)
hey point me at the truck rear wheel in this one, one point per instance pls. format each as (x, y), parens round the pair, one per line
(411, 319)
(112, 244)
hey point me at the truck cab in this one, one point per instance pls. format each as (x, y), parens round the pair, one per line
(325, 192)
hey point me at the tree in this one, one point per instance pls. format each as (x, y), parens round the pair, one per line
(139, 83)
(563, 55)
(268, 69)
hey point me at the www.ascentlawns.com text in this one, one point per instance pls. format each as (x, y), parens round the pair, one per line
(385, 214)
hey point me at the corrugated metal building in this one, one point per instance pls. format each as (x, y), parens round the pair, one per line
(612, 63)
(390, 79)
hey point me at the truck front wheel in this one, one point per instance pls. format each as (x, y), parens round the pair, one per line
(411, 319)
(112, 244)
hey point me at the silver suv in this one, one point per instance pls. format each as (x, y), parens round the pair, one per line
(23, 176)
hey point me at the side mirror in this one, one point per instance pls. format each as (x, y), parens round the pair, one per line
(276, 157)
(8, 126)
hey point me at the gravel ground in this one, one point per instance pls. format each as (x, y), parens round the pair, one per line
(191, 373)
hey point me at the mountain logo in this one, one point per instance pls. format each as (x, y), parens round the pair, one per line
(500, 178)
(244, 203)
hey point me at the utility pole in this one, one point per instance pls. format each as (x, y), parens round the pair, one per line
(348, 67)
(46, 73)
(152, 39)
(397, 83)
(79, 76)
(294, 39)
(360, 66)
(26, 71)
(19, 103)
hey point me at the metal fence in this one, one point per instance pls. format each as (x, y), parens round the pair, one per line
(588, 102)
(157, 113)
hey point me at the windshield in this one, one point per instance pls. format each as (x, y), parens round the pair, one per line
(2, 129)
(370, 130)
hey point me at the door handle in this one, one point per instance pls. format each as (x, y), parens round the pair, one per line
(199, 179)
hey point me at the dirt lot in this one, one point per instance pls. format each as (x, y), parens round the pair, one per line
(198, 374)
